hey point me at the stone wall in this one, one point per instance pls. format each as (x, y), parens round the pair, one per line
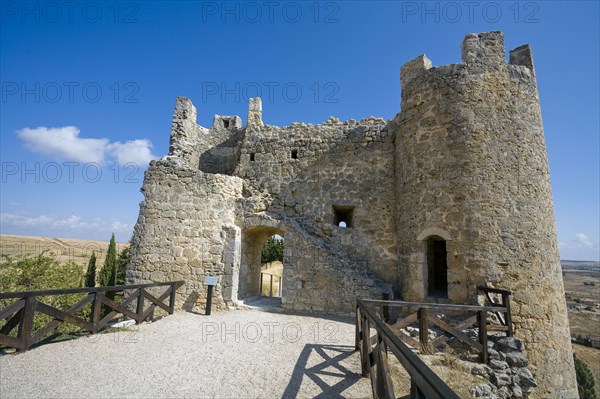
(186, 231)
(211, 204)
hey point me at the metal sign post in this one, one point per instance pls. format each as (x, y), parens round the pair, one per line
(210, 281)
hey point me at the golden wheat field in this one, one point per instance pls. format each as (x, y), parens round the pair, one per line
(63, 249)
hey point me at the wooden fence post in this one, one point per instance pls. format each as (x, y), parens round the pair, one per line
(172, 298)
(385, 386)
(422, 314)
(96, 308)
(357, 332)
(385, 309)
(140, 306)
(508, 317)
(482, 323)
(415, 392)
(26, 323)
(366, 346)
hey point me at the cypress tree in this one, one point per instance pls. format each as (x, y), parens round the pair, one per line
(272, 251)
(90, 274)
(108, 274)
(122, 262)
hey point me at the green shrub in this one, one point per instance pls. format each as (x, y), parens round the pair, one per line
(42, 272)
(585, 380)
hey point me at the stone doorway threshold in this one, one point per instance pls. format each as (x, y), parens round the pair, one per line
(270, 303)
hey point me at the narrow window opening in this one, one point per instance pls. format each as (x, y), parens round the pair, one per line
(343, 215)
(437, 266)
(225, 123)
(251, 157)
(294, 154)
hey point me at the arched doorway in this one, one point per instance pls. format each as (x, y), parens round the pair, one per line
(437, 267)
(253, 241)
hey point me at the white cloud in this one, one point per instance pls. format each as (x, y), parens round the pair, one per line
(583, 240)
(134, 151)
(64, 143)
(24, 221)
(71, 223)
(580, 241)
(118, 226)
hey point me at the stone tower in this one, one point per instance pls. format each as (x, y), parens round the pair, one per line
(453, 193)
(473, 185)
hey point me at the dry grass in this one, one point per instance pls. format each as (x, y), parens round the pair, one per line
(453, 371)
(64, 249)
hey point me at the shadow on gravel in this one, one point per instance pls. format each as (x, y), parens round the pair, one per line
(329, 374)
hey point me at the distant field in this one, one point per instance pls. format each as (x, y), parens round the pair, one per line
(575, 276)
(580, 265)
(578, 278)
(64, 249)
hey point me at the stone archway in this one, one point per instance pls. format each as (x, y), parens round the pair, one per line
(434, 262)
(253, 240)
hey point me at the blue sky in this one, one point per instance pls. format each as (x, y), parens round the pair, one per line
(88, 89)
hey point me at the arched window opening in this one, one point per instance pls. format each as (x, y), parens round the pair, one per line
(437, 267)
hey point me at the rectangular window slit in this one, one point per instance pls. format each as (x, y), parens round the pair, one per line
(343, 215)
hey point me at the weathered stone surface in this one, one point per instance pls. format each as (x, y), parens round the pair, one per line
(498, 364)
(482, 370)
(483, 391)
(501, 379)
(509, 344)
(526, 378)
(516, 359)
(464, 164)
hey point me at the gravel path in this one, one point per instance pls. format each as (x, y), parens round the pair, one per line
(236, 354)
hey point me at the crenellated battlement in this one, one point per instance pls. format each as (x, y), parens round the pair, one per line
(484, 48)
(480, 52)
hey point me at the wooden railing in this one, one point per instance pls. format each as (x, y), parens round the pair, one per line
(424, 383)
(20, 314)
(503, 311)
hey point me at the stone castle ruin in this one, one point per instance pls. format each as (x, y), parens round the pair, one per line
(452, 193)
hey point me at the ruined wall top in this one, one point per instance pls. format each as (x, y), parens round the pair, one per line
(479, 52)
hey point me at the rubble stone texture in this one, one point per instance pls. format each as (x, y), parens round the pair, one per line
(463, 163)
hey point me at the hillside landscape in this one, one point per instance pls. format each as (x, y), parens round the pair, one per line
(63, 249)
